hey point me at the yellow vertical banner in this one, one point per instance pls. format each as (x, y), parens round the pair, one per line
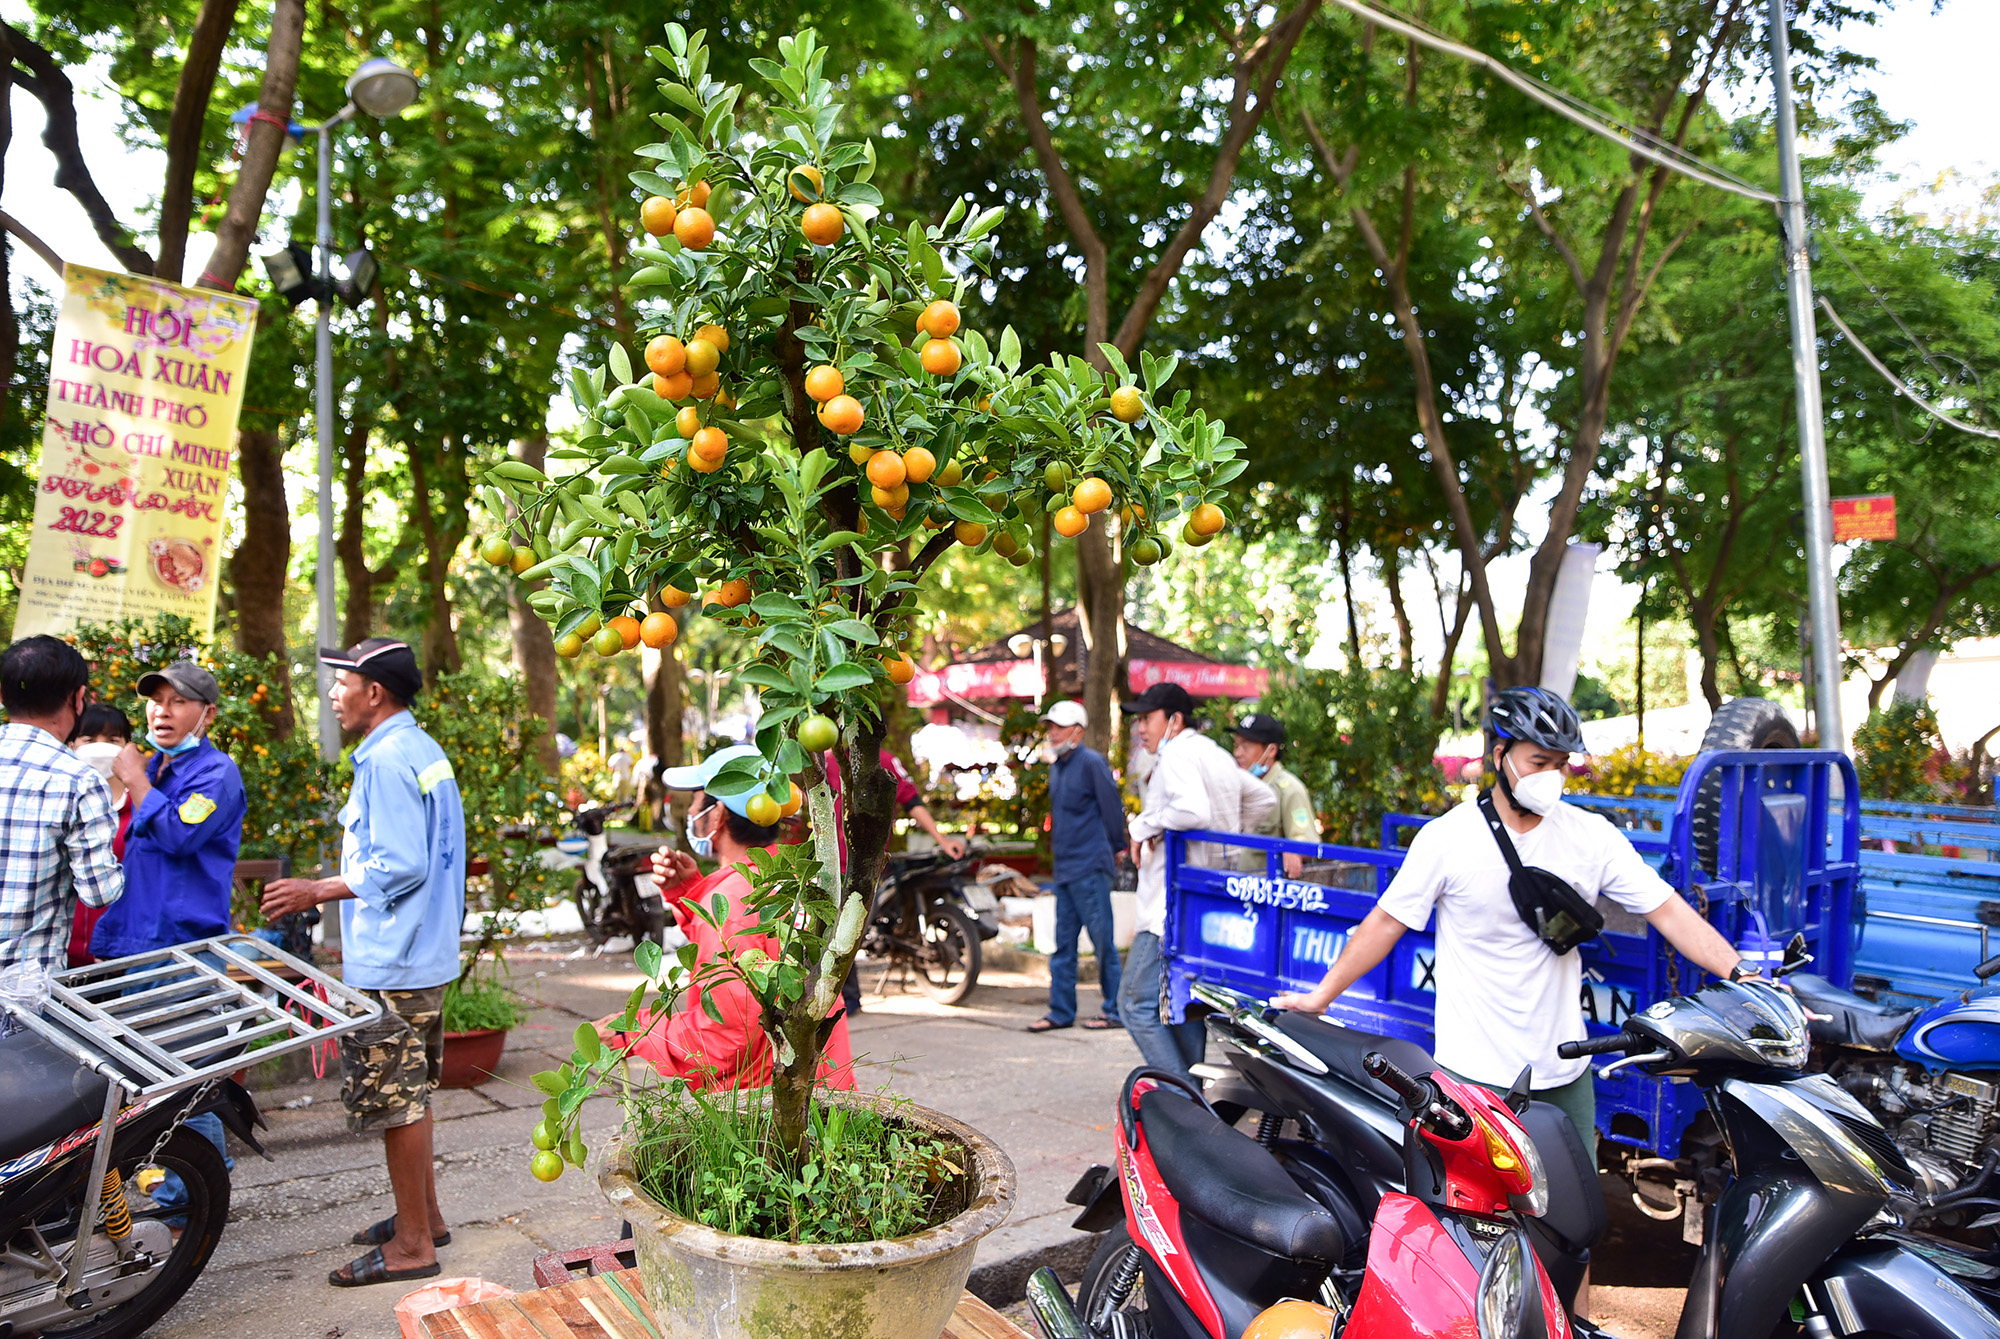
(145, 386)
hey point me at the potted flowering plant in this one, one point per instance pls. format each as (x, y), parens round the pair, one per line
(810, 428)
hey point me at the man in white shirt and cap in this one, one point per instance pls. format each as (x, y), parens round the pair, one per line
(1195, 786)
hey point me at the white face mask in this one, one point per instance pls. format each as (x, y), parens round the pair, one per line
(1537, 792)
(701, 848)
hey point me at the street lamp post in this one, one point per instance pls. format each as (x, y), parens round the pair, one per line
(381, 88)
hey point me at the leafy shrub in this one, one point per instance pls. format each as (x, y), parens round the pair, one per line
(1623, 771)
(1899, 754)
(289, 789)
(714, 1158)
(1364, 742)
(477, 1003)
(484, 726)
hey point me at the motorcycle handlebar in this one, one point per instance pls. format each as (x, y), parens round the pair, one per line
(1617, 1041)
(1433, 1109)
(1991, 967)
(1385, 1072)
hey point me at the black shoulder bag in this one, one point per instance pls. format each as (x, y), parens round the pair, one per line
(1551, 908)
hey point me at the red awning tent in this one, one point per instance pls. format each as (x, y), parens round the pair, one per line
(995, 671)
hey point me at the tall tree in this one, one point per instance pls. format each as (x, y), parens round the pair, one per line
(1190, 95)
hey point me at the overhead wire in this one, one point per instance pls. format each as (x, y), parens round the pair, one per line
(1902, 387)
(1568, 107)
(1674, 158)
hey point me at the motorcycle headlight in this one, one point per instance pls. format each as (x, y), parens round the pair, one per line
(1505, 1290)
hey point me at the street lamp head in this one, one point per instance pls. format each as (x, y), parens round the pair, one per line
(382, 88)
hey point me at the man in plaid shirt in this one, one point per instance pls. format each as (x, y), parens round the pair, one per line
(56, 816)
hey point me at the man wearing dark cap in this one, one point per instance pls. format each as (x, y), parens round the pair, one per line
(401, 888)
(1194, 785)
(187, 821)
(1260, 744)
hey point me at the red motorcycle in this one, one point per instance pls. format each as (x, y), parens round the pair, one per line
(1213, 1230)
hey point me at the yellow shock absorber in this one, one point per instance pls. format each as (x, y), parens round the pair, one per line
(117, 1216)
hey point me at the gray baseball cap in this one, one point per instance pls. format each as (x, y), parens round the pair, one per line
(186, 678)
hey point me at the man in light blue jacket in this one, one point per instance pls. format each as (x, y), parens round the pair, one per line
(401, 888)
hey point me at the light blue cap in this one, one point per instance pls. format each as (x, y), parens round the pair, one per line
(697, 777)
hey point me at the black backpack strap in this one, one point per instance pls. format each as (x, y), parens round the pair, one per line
(1499, 831)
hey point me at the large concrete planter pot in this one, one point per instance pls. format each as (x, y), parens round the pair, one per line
(705, 1284)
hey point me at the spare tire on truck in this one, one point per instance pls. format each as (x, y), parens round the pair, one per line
(1742, 723)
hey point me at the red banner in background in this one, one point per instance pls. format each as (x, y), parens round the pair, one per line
(1872, 517)
(979, 680)
(1201, 679)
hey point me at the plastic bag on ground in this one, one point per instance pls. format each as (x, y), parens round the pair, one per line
(444, 1295)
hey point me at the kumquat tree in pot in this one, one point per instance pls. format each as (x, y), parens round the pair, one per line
(810, 426)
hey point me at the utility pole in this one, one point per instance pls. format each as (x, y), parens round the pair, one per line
(1822, 602)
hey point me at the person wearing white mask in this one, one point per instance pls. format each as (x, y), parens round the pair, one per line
(1505, 998)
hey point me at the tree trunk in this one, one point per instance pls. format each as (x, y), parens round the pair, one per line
(1100, 598)
(1392, 575)
(1704, 615)
(1347, 591)
(257, 568)
(191, 95)
(358, 617)
(10, 326)
(441, 655)
(267, 139)
(534, 645)
(665, 704)
(45, 80)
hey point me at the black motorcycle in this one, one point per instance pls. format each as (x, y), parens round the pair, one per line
(929, 918)
(616, 893)
(97, 1086)
(1810, 1234)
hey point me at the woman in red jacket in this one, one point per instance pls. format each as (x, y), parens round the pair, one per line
(733, 1053)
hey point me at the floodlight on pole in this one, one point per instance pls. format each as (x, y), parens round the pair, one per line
(381, 88)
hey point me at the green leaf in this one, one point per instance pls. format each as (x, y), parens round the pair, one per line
(588, 1044)
(843, 677)
(1010, 350)
(621, 364)
(549, 1081)
(646, 956)
(854, 630)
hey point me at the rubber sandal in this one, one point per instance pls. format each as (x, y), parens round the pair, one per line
(371, 1269)
(385, 1231)
(1102, 1024)
(1046, 1025)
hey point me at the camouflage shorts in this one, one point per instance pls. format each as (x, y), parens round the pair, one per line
(388, 1069)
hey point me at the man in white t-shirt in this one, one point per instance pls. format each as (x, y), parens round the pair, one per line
(1505, 1000)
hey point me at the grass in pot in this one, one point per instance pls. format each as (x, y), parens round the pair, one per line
(479, 1011)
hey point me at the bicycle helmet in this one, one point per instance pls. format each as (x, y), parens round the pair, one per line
(1536, 716)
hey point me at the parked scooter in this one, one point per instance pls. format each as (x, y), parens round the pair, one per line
(1932, 1076)
(1810, 1233)
(1204, 1229)
(1310, 1071)
(97, 1086)
(616, 893)
(929, 918)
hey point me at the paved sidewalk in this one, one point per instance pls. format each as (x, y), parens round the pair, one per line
(1047, 1100)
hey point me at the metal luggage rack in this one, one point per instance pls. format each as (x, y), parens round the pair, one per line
(156, 1022)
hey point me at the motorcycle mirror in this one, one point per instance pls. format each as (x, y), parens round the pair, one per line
(1989, 968)
(1797, 957)
(1518, 1095)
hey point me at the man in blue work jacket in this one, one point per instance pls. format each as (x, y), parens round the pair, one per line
(401, 888)
(1086, 833)
(187, 821)
(180, 849)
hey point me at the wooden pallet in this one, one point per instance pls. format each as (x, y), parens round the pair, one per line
(595, 1308)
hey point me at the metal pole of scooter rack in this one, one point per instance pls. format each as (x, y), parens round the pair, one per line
(1823, 607)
